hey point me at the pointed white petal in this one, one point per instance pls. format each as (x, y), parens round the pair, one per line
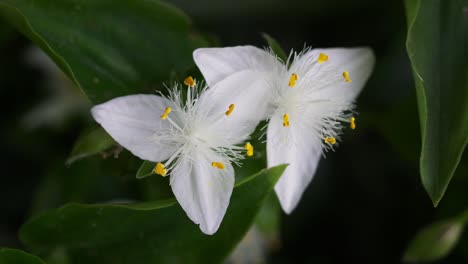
(132, 121)
(202, 190)
(295, 146)
(249, 94)
(217, 63)
(358, 62)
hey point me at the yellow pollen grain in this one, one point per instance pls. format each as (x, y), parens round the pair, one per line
(189, 81)
(217, 165)
(250, 149)
(292, 80)
(352, 122)
(330, 140)
(286, 120)
(322, 58)
(160, 169)
(230, 109)
(346, 76)
(166, 113)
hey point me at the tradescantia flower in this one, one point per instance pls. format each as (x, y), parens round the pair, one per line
(307, 100)
(195, 140)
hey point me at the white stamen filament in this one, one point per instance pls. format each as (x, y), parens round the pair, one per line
(190, 130)
(174, 124)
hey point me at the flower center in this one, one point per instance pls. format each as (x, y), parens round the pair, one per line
(189, 130)
(304, 102)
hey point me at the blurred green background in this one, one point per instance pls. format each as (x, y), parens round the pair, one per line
(366, 201)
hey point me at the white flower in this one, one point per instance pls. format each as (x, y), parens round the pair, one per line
(307, 100)
(196, 137)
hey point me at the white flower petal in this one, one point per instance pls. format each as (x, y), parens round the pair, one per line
(297, 147)
(202, 190)
(358, 62)
(132, 121)
(218, 63)
(249, 94)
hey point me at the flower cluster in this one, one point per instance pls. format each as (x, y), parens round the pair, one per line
(196, 137)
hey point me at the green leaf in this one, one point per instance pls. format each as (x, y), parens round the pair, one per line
(436, 45)
(14, 256)
(91, 180)
(155, 187)
(108, 48)
(146, 169)
(275, 47)
(434, 241)
(268, 219)
(92, 141)
(153, 232)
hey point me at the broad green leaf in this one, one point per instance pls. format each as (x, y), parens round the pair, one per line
(436, 45)
(152, 232)
(146, 169)
(92, 141)
(275, 47)
(6, 32)
(455, 199)
(90, 180)
(14, 256)
(434, 241)
(268, 219)
(154, 186)
(108, 48)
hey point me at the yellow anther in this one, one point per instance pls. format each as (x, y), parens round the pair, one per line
(189, 81)
(322, 58)
(330, 140)
(160, 169)
(250, 149)
(218, 165)
(346, 76)
(230, 109)
(286, 120)
(166, 113)
(292, 80)
(352, 122)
